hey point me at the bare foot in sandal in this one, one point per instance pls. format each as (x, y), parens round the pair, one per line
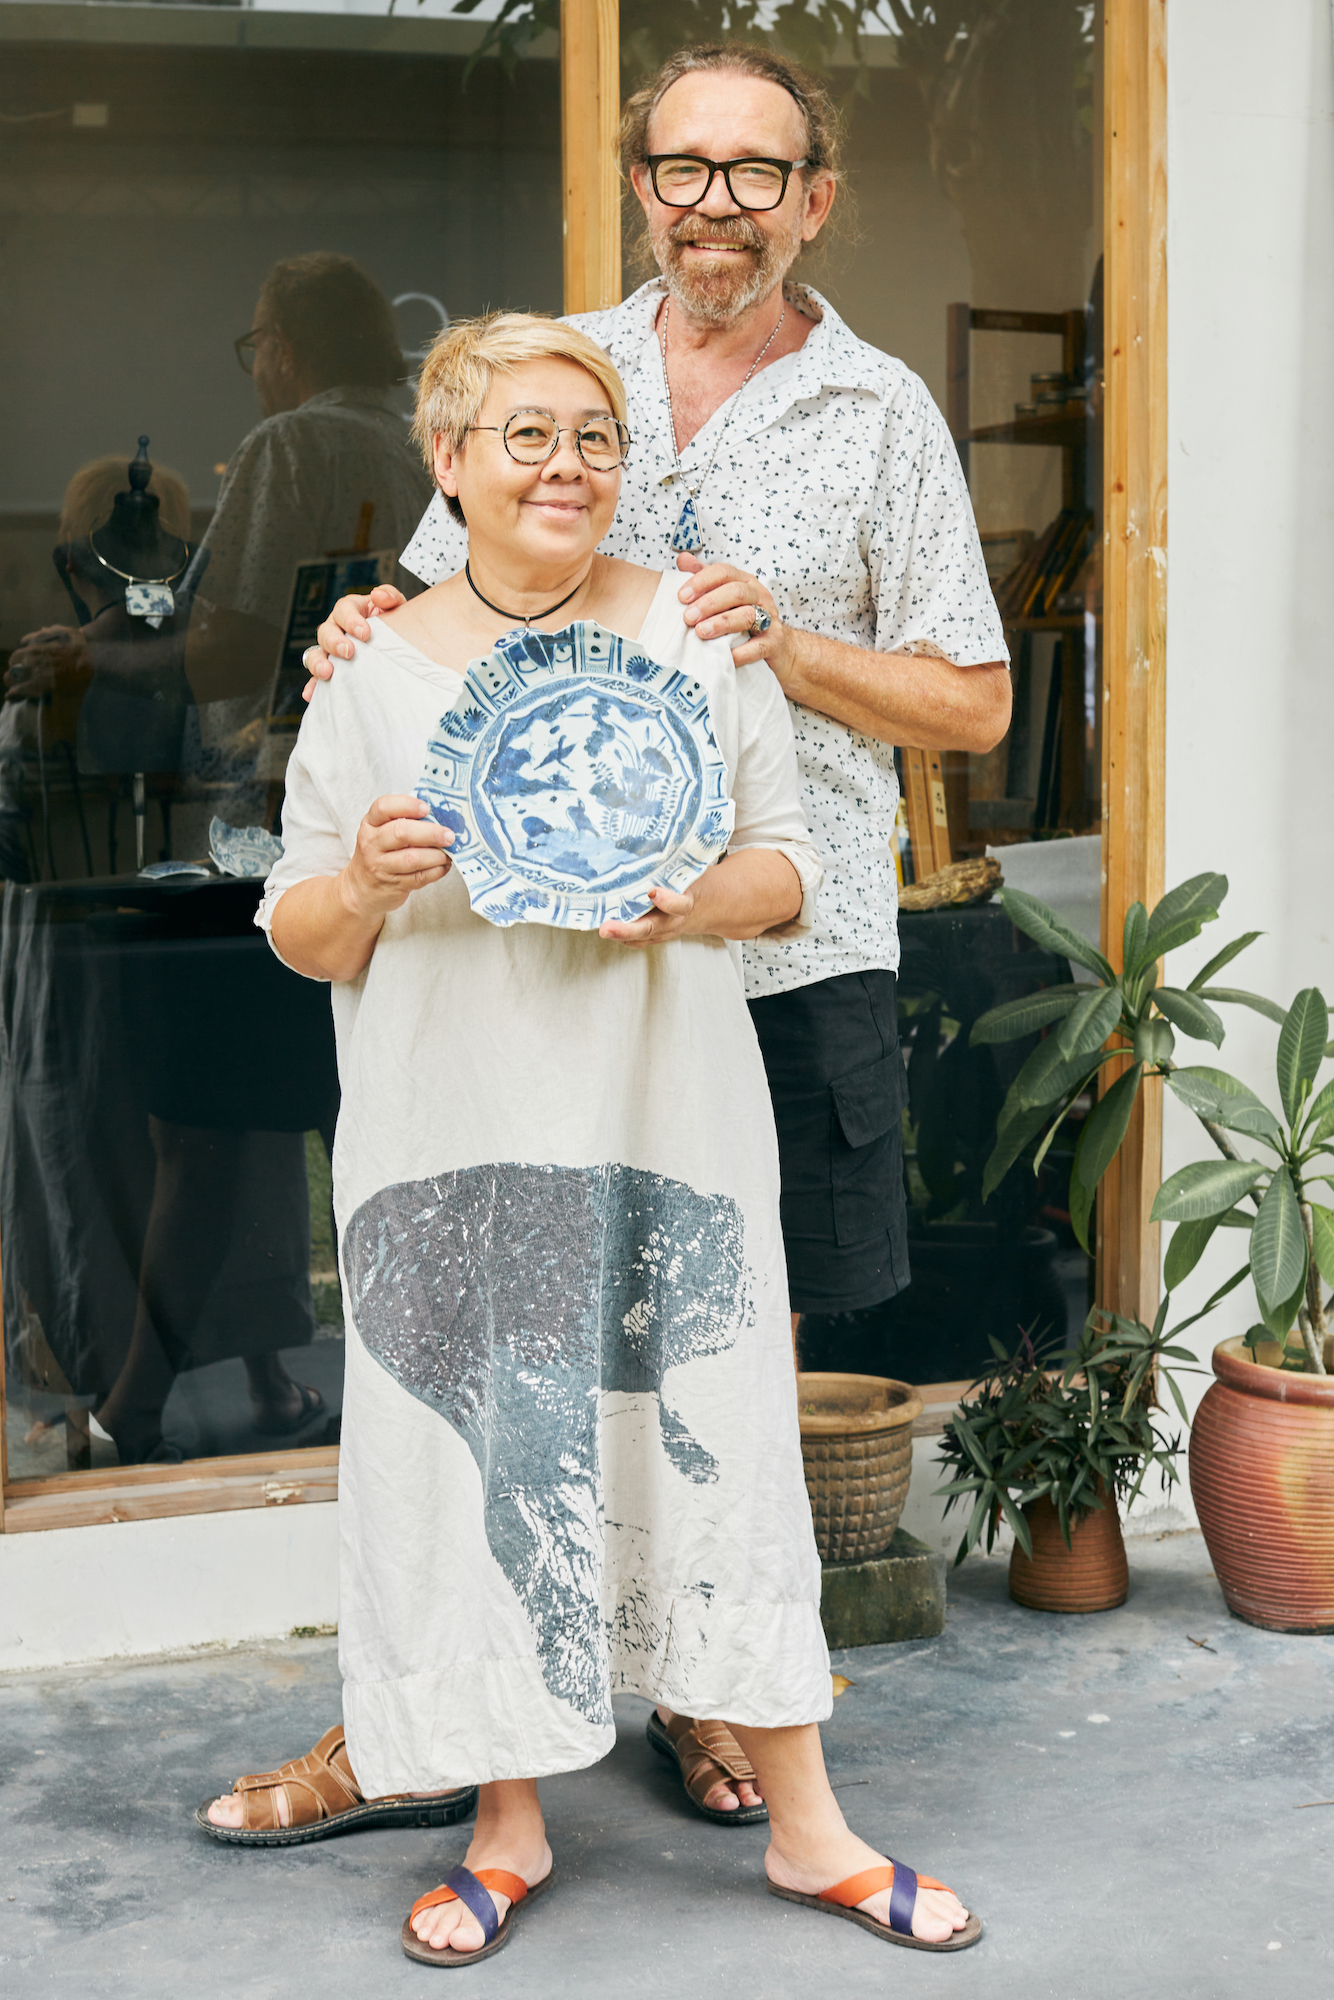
(319, 1792)
(509, 1839)
(714, 1755)
(814, 1858)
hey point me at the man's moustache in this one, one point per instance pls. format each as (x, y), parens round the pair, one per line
(698, 237)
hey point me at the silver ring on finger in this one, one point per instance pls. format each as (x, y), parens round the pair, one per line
(305, 659)
(761, 623)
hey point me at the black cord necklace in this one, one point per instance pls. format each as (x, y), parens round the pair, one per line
(518, 615)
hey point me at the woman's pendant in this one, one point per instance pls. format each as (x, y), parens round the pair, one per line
(688, 537)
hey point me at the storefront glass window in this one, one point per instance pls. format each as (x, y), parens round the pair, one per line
(970, 248)
(228, 232)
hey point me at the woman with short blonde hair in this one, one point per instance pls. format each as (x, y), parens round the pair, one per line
(571, 1465)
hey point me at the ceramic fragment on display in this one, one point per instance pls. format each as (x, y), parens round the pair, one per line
(176, 871)
(153, 601)
(576, 773)
(247, 852)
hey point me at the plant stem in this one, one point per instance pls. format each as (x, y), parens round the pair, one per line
(1311, 1318)
(1225, 1147)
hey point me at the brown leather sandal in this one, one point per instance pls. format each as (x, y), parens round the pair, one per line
(705, 1753)
(323, 1798)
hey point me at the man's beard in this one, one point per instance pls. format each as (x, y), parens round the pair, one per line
(718, 293)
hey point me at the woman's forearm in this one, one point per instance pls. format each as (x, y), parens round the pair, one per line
(745, 895)
(319, 929)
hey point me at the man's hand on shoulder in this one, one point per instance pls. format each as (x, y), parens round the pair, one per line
(718, 600)
(348, 620)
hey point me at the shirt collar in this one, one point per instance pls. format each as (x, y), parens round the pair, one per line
(831, 357)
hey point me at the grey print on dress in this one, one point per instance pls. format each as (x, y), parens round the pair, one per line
(507, 1297)
(576, 773)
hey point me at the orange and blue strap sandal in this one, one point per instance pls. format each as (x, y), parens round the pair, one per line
(842, 1899)
(462, 1886)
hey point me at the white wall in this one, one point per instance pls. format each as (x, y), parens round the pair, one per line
(1250, 652)
(1250, 681)
(158, 1586)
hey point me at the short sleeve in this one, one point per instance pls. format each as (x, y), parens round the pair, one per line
(932, 592)
(315, 842)
(438, 547)
(765, 790)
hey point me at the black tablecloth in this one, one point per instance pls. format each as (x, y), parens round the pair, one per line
(122, 1000)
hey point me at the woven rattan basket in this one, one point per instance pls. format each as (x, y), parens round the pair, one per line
(856, 1445)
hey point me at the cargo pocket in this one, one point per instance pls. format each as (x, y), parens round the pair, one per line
(866, 1155)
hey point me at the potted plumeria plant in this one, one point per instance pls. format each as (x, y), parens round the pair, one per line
(1262, 1445)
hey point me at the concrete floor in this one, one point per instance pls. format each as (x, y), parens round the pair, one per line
(1118, 1802)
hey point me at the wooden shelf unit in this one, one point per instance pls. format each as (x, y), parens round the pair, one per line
(1071, 429)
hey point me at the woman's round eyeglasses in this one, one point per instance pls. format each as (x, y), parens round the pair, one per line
(683, 180)
(531, 437)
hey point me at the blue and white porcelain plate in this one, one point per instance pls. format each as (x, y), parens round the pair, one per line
(576, 773)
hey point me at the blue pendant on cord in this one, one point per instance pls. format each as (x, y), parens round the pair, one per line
(688, 536)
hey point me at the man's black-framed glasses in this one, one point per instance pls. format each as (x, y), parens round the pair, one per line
(245, 348)
(531, 437)
(683, 180)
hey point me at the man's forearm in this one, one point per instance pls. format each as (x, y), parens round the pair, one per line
(911, 699)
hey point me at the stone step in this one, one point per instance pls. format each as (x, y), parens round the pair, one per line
(899, 1595)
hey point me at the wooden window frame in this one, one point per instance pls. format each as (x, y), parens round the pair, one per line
(1134, 662)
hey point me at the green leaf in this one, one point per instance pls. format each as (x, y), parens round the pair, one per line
(1081, 1207)
(1301, 1047)
(1154, 1042)
(1186, 1249)
(1182, 914)
(1224, 957)
(1236, 996)
(1322, 1233)
(1278, 1243)
(1089, 1023)
(1132, 941)
(1206, 1188)
(1023, 1016)
(1213, 1094)
(1320, 1116)
(1043, 925)
(1105, 1128)
(1279, 1319)
(1048, 1076)
(1013, 1134)
(1186, 1010)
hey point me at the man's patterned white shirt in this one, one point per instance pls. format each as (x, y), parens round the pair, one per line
(838, 484)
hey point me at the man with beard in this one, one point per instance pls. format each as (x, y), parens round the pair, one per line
(809, 488)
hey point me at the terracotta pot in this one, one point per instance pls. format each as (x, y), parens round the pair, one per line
(1090, 1575)
(1262, 1474)
(856, 1447)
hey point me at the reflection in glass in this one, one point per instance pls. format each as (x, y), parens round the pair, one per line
(967, 243)
(168, 1090)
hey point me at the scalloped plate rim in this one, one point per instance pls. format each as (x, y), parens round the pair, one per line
(525, 661)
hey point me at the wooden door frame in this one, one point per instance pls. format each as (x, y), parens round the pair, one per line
(1134, 661)
(1134, 583)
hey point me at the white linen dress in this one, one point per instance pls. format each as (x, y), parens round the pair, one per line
(570, 1457)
